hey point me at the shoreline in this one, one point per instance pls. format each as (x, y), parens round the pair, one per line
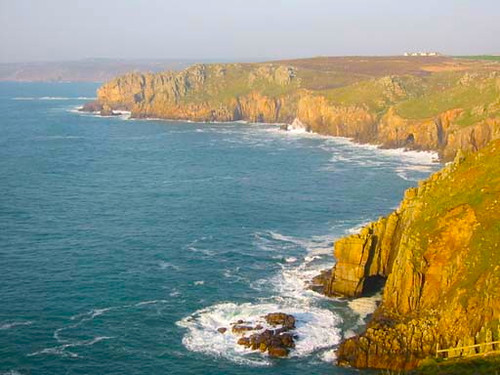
(371, 302)
(434, 154)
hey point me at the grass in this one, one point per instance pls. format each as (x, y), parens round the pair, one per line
(488, 365)
(474, 366)
(480, 57)
(446, 93)
(476, 183)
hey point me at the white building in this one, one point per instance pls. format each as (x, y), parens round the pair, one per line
(422, 54)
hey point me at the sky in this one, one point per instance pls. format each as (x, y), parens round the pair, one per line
(49, 30)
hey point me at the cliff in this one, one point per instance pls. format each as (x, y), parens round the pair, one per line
(422, 104)
(440, 255)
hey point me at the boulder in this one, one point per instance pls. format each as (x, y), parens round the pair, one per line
(276, 342)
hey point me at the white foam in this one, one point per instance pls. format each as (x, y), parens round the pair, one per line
(200, 282)
(10, 325)
(329, 356)
(413, 172)
(312, 258)
(349, 333)
(364, 306)
(193, 245)
(297, 127)
(168, 265)
(153, 302)
(54, 98)
(293, 282)
(174, 293)
(316, 329)
(61, 349)
(98, 312)
(122, 115)
(356, 229)
(313, 245)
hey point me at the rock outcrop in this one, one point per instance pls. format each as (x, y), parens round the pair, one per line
(440, 254)
(277, 340)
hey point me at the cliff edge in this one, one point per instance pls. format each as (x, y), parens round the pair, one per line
(440, 255)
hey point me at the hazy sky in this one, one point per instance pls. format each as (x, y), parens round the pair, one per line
(240, 29)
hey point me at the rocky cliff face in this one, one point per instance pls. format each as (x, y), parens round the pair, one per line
(440, 254)
(366, 111)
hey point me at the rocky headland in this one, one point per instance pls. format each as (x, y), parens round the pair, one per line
(438, 254)
(423, 104)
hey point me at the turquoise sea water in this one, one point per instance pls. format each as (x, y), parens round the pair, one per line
(125, 244)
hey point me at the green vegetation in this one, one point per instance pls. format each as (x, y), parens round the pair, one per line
(474, 366)
(226, 82)
(475, 182)
(480, 57)
(473, 94)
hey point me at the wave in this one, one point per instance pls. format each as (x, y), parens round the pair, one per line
(364, 306)
(235, 275)
(413, 172)
(299, 131)
(122, 115)
(168, 265)
(153, 302)
(52, 137)
(329, 356)
(81, 319)
(357, 228)
(316, 329)
(54, 98)
(273, 241)
(174, 293)
(6, 326)
(61, 349)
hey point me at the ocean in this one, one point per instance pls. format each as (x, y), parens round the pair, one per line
(125, 244)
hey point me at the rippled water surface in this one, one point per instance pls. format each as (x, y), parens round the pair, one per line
(125, 244)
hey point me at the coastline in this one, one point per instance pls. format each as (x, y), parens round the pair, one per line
(374, 251)
(433, 154)
(371, 303)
